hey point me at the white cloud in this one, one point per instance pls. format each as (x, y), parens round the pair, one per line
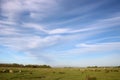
(85, 8)
(102, 39)
(107, 22)
(7, 31)
(75, 55)
(99, 47)
(7, 28)
(69, 31)
(7, 22)
(12, 9)
(35, 26)
(27, 43)
(97, 25)
(84, 48)
(44, 29)
(58, 31)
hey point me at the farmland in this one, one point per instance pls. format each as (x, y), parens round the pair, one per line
(59, 73)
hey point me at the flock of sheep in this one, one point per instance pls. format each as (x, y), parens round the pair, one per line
(10, 71)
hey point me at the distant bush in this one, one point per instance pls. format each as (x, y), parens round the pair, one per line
(61, 72)
(29, 66)
(114, 70)
(37, 66)
(11, 65)
(91, 78)
(92, 67)
(107, 71)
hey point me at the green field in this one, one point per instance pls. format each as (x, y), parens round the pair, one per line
(60, 74)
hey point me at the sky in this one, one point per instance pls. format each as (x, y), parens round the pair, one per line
(73, 33)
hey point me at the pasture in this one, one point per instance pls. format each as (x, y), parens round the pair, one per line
(59, 73)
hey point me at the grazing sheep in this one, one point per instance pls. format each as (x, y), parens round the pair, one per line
(93, 70)
(10, 71)
(82, 70)
(5, 70)
(20, 71)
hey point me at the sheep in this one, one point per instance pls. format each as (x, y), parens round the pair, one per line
(5, 70)
(20, 71)
(10, 71)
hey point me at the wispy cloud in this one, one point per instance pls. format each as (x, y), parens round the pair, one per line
(5, 22)
(114, 45)
(7, 28)
(27, 43)
(35, 26)
(105, 39)
(98, 48)
(101, 24)
(13, 9)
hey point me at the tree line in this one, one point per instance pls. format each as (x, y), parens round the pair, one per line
(103, 66)
(24, 66)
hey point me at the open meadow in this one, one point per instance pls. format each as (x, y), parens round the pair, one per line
(59, 73)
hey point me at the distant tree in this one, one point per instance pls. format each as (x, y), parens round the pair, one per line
(20, 65)
(92, 67)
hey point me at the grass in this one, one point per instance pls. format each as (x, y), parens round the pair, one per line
(61, 74)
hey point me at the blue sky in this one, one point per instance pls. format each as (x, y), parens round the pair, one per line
(60, 32)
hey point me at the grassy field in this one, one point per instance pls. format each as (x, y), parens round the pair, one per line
(60, 74)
